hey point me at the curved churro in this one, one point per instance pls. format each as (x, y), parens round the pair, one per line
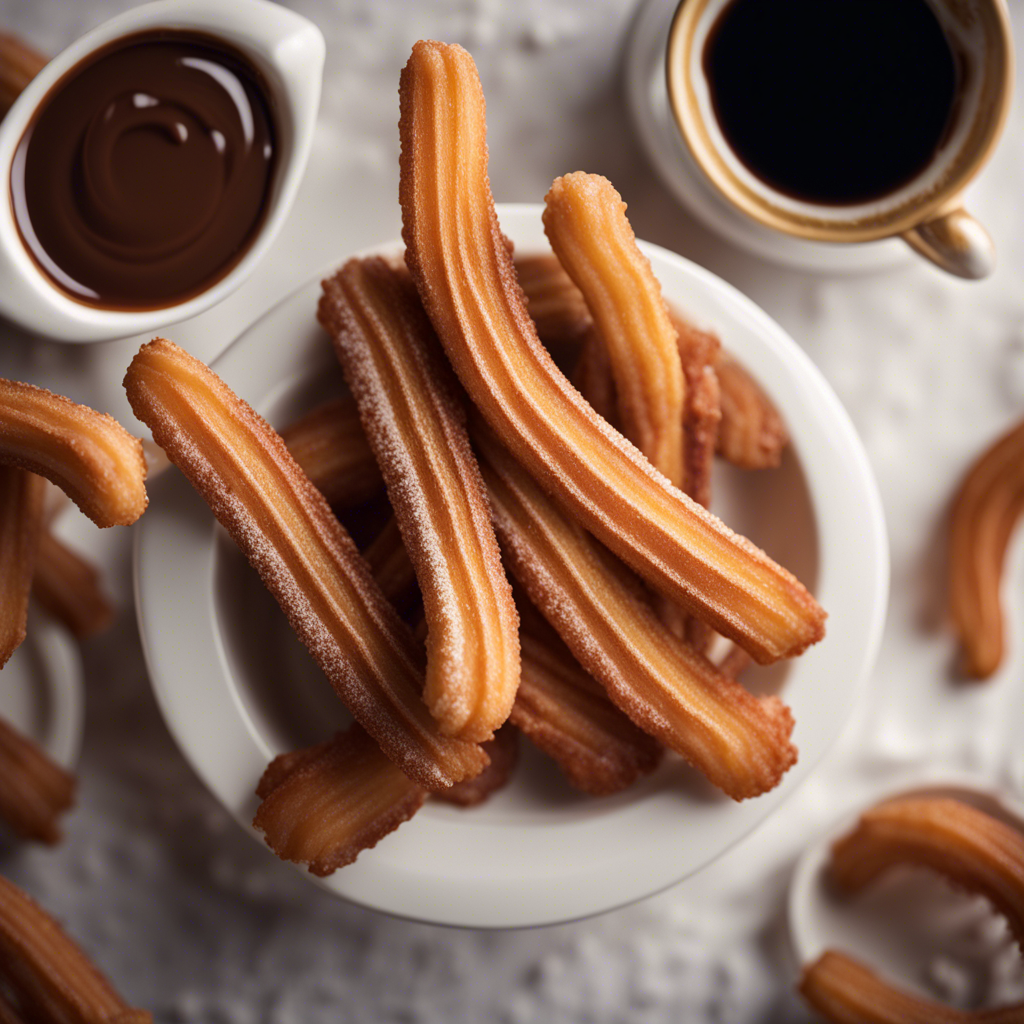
(970, 848)
(416, 427)
(565, 713)
(751, 433)
(21, 523)
(741, 743)
(87, 454)
(330, 446)
(555, 304)
(503, 750)
(592, 377)
(986, 510)
(305, 558)
(586, 224)
(68, 587)
(34, 790)
(465, 277)
(846, 992)
(48, 979)
(323, 805)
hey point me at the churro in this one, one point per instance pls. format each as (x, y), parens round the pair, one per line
(389, 562)
(19, 64)
(733, 662)
(34, 790)
(503, 750)
(21, 521)
(739, 742)
(323, 805)
(845, 991)
(592, 377)
(586, 224)
(555, 304)
(330, 446)
(465, 277)
(565, 713)
(87, 454)
(751, 434)
(986, 510)
(967, 846)
(46, 977)
(68, 588)
(305, 558)
(415, 424)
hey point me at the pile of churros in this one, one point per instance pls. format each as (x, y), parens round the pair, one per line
(545, 564)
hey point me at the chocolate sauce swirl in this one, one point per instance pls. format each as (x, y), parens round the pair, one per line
(146, 172)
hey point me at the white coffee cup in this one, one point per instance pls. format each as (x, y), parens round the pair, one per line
(286, 48)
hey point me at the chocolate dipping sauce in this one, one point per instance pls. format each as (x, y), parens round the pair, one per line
(145, 174)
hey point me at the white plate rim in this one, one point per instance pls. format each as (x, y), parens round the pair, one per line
(434, 889)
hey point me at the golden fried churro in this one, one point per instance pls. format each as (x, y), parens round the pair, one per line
(68, 587)
(305, 558)
(19, 64)
(751, 434)
(565, 713)
(503, 750)
(592, 377)
(969, 847)
(34, 790)
(389, 562)
(324, 805)
(21, 522)
(699, 351)
(87, 454)
(846, 992)
(465, 277)
(330, 446)
(986, 510)
(49, 980)
(585, 221)
(741, 743)
(555, 304)
(415, 424)
(733, 662)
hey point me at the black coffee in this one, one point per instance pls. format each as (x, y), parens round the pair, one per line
(831, 101)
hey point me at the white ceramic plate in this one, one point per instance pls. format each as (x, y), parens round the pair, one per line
(909, 921)
(237, 688)
(41, 689)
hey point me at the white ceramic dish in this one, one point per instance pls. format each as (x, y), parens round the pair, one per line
(237, 688)
(910, 921)
(287, 48)
(41, 689)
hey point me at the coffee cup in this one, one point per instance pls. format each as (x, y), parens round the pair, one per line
(926, 209)
(286, 51)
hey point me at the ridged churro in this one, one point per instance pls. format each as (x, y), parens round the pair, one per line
(845, 991)
(389, 562)
(68, 587)
(45, 976)
(465, 277)
(741, 743)
(592, 377)
(986, 511)
(503, 750)
(330, 446)
(555, 304)
(21, 523)
(970, 848)
(415, 424)
(585, 221)
(565, 713)
(87, 454)
(305, 558)
(751, 434)
(324, 805)
(34, 790)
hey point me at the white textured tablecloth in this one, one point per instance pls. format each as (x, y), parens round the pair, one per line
(197, 923)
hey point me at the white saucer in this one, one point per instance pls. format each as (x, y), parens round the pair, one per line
(41, 689)
(911, 926)
(647, 95)
(236, 687)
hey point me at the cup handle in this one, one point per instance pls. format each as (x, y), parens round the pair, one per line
(955, 242)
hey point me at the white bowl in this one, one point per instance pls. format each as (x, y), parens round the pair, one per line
(287, 48)
(237, 688)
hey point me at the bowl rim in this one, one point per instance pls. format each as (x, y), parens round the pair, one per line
(587, 888)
